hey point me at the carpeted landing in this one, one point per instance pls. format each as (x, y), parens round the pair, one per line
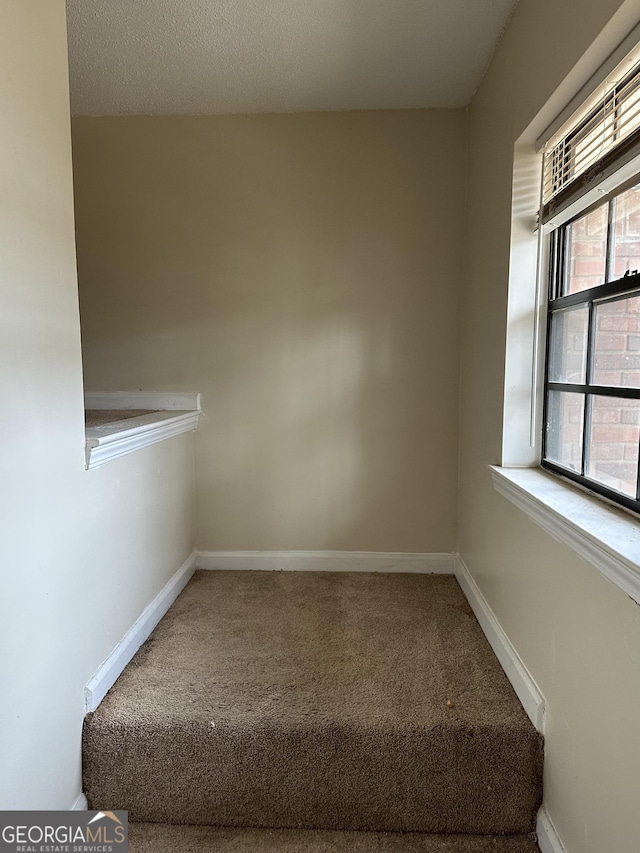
(317, 701)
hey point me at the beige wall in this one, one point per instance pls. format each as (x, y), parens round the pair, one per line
(578, 634)
(81, 552)
(302, 272)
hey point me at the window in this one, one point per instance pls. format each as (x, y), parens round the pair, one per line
(592, 400)
(584, 377)
(591, 423)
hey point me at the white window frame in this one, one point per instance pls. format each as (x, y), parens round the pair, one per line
(607, 536)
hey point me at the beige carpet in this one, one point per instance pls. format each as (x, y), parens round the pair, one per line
(319, 700)
(164, 838)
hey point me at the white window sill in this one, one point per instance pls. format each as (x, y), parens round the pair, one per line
(606, 537)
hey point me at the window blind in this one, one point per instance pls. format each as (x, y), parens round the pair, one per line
(587, 149)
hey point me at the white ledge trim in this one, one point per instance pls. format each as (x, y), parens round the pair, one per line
(606, 537)
(111, 441)
(158, 400)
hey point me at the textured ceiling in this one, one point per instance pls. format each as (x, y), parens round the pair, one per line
(236, 56)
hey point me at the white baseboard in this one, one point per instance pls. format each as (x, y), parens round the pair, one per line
(327, 561)
(108, 672)
(525, 687)
(548, 838)
(80, 804)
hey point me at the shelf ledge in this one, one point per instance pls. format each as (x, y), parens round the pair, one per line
(111, 441)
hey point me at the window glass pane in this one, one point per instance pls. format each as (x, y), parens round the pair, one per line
(617, 343)
(568, 345)
(613, 443)
(565, 418)
(587, 250)
(626, 233)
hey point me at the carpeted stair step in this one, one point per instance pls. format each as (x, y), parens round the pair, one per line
(342, 701)
(167, 838)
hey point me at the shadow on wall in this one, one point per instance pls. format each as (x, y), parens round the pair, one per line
(302, 272)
